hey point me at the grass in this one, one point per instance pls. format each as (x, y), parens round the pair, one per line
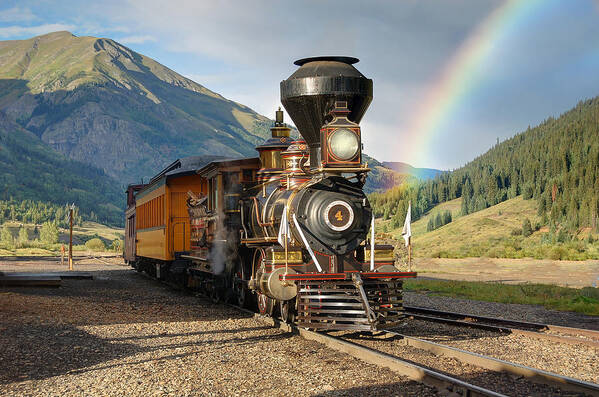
(488, 233)
(453, 206)
(81, 234)
(584, 300)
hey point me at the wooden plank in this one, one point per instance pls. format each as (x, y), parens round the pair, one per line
(29, 281)
(62, 275)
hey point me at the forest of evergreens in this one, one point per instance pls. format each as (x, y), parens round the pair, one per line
(33, 175)
(38, 212)
(556, 164)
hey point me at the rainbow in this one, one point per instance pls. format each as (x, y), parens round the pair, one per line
(459, 77)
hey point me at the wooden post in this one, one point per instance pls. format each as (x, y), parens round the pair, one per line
(71, 238)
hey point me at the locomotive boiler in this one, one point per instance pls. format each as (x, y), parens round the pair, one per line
(288, 231)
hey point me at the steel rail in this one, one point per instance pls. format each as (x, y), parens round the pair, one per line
(569, 335)
(429, 377)
(494, 364)
(442, 382)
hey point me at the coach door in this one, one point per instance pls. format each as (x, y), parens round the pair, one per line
(179, 236)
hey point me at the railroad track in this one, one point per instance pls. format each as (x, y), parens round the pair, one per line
(443, 382)
(446, 384)
(533, 374)
(555, 333)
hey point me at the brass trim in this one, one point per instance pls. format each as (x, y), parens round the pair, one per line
(343, 169)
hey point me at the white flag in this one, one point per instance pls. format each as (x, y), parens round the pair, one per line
(284, 228)
(407, 229)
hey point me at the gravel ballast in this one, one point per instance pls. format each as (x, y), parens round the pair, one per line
(530, 313)
(123, 334)
(576, 361)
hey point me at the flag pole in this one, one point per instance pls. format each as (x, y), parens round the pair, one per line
(410, 253)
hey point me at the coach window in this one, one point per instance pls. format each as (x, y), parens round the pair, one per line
(213, 193)
(248, 175)
(210, 200)
(215, 198)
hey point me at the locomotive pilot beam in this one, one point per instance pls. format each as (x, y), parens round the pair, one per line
(286, 231)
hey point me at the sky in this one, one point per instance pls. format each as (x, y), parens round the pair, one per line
(450, 77)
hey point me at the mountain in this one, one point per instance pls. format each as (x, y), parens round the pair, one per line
(81, 117)
(382, 178)
(96, 101)
(556, 164)
(407, 169)
(33, 171)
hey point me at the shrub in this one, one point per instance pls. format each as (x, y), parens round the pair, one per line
(526, 228)
(557, 253)
(562, 236)
(117, 244)
(49, 233)
(95, 244)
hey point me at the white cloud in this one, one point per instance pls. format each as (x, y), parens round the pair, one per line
(16, 14)
(136, 39)
(10, 31)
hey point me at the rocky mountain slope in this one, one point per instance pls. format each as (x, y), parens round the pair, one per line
(96, 101)
(30, 170)
(407, 169)
(81, 117)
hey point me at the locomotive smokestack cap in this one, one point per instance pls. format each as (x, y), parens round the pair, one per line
(310, 93)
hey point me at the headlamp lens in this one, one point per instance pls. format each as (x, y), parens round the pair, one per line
(344, 144)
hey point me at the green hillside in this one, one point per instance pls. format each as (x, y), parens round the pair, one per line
(33, 171)
(554, 165)
(98, 102)
(495, 232)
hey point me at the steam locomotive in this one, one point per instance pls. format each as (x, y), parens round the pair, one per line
(285, 232)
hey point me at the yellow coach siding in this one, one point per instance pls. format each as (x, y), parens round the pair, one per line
(152, 195)
(162, 218)
(152, 243)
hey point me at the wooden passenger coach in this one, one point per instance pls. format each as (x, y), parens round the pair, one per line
(157, 221)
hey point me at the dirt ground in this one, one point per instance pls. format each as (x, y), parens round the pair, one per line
(123, 334)
(576, 274)
(52, 264)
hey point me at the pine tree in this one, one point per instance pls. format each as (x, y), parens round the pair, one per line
(23, 236)
(430, 226)
(49, 233)
(438, 220)
(446, 217)
(6, 236)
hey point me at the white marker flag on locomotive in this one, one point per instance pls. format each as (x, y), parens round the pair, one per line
(284, 229)
(407, 229)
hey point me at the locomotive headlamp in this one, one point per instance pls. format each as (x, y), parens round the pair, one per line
(340, 139)
(344, 144)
